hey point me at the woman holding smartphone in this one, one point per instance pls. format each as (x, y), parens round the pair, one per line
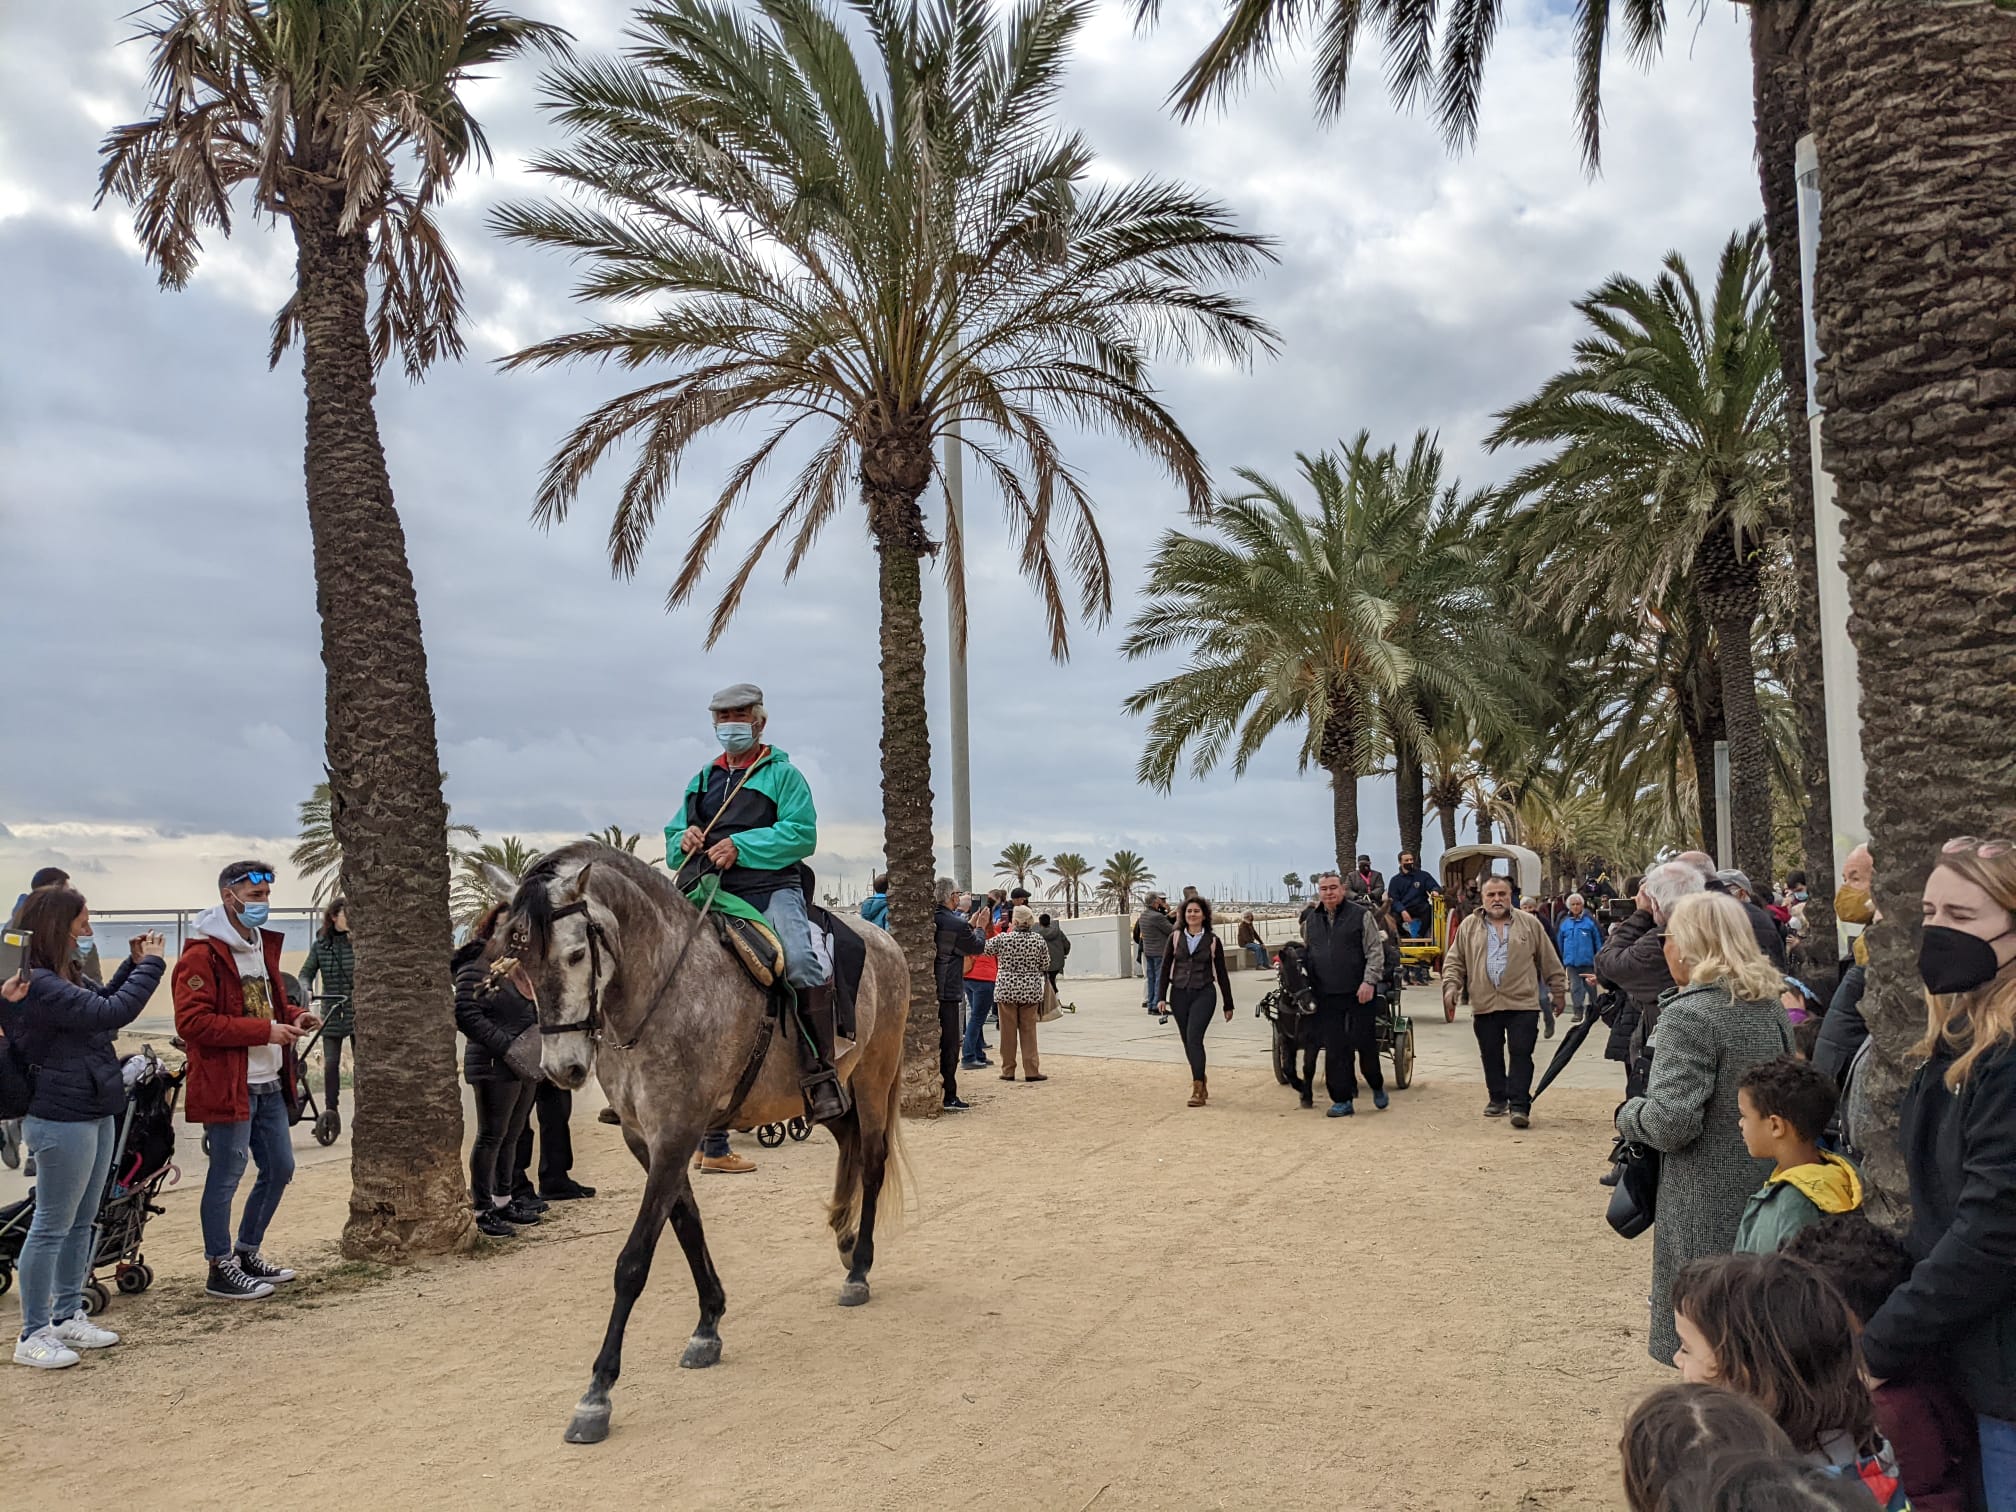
(64, 1028)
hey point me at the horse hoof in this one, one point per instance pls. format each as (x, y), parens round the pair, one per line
(590, 1425)
(700, 1353)
(853, 1293)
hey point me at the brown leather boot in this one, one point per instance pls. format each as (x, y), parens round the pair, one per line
(1198, 1094)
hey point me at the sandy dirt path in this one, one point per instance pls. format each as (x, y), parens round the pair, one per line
(1102, 1299)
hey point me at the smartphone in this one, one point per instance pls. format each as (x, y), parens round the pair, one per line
(14, 952)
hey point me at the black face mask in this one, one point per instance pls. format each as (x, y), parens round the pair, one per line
(1952, 960)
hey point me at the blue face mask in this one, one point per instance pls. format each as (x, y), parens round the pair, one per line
(252, 914)
(86, 944)
(735, 737)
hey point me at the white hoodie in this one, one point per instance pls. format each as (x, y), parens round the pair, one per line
(262, 1062)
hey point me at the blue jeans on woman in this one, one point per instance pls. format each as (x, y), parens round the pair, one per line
(264, 1137)
(1998, 1463)
(1258, 951)
(979, 1002)
(71, 1163)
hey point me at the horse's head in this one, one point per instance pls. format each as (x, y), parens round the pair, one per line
(566, 941)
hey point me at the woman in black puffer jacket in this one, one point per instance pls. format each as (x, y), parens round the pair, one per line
(63, 1029)
(492, 1012)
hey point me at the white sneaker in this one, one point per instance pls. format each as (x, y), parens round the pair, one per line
(44, 1351)
(80, 1332)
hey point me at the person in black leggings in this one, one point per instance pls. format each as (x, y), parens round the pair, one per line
(1193, 974)
(492, 1012)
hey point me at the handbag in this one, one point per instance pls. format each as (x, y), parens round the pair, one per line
(1634, 1198)
(1049, 1010)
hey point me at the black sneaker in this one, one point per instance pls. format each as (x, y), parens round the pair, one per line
(1494, 1110)
(530, 1199)
(518, 1213)
(1521, 1119)
(495, 1225)
(568, 1193)
(229, 1281)
(259, 1268)
(957, 1105)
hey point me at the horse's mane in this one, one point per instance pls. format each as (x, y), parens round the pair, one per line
(532, 904)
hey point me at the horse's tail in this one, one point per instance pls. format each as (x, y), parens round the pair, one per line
(849, 1176)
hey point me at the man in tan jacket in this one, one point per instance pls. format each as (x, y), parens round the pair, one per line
(1497, 960)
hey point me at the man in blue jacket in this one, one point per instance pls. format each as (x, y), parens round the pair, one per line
(1579, 937)
(1412, 892)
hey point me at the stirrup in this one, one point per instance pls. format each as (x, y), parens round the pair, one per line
(826, 1096)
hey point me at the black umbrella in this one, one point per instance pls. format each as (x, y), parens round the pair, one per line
(1570, 1043)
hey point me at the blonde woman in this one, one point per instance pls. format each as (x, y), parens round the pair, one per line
(1023, 956)
(1722, 1018)
(1957, 1313)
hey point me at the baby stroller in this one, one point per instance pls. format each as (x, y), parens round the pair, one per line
(143, 1166)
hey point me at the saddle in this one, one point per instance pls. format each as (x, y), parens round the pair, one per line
(755, 945)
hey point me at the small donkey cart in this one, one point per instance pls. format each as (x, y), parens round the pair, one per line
(1291, 1008)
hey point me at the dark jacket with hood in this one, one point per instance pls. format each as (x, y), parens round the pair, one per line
(64, 1032)
(1959, 1307)
(1058, 941)
(490, 1012)
(956, 940)
(1634, 959)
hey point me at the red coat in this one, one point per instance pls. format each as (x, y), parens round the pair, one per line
(210, 1017)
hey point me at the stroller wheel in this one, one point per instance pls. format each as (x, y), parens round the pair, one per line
(146, 1274)
(97, 1297)
(327, 1127)
(801, 1129)
(132, 1280)
(6, 1279)
(770, 1135)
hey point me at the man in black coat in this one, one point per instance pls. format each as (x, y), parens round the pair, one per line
(1346, 958)
(1770, 939)
(956, 940)
(1633, 958)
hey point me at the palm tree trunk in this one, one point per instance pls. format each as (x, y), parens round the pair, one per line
(1344, 815)
(1448, 813)
(1912, 296)
(894, 471)
(1703, 747)
(407, 1195)
(1777, 38)
(1409, 802)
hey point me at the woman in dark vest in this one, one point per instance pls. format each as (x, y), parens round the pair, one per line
(331, 959)
(1193, 974)
(492, 1011)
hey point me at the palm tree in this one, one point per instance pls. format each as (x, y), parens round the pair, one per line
(1313, 618)
(876, 244)
(1293, 882)
(318, 856)
(1120, 876)
(473, 893)
(1070, 869)
(617, 838)
(1018, 860)
(344, 119)
(1669, 471)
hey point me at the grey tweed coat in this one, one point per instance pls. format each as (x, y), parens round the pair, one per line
(1705, 1041)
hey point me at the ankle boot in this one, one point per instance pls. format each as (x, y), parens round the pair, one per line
(1197, 1094)
(825, 1098)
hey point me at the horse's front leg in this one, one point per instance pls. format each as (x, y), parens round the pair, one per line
(665, 1173)
(704, 1348)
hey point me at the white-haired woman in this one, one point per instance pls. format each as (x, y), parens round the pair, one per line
(1721, 1019)
(1023, 956)
(1956, 1316)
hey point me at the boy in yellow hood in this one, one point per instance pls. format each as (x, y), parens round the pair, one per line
(1783, 1108)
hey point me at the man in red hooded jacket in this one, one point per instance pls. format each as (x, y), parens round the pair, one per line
(232, 1013)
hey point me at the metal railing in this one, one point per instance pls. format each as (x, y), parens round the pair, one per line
(116, 925)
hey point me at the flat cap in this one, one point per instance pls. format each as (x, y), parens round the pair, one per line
(1730, 877)
(735, 696)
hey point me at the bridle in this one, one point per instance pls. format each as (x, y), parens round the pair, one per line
(594, 1022)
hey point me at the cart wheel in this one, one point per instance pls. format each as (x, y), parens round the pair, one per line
(132, 1280)
(6, 1279)
(146, 1273)
(327, 1127)
(1284, 1058)
(770, 1135)
(97, 1297)
(1403, 1056)
(799, 1129)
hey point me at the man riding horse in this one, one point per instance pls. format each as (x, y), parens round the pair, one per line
(749, 812)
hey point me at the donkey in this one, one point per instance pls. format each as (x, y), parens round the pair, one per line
(632, 983)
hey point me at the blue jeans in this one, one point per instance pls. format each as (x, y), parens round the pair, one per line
(265, 1138)
(1259, 953)
(1153, 964)
(979, 1002)
(1580, 991)
(71, 1162)
(785, 909)
(1998, 1463)
(714, 1143)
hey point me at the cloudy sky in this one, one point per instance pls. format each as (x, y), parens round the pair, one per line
(158, 615)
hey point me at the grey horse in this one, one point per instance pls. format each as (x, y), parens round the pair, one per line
(632, 985)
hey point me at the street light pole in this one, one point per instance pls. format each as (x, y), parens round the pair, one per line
(962, 772)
